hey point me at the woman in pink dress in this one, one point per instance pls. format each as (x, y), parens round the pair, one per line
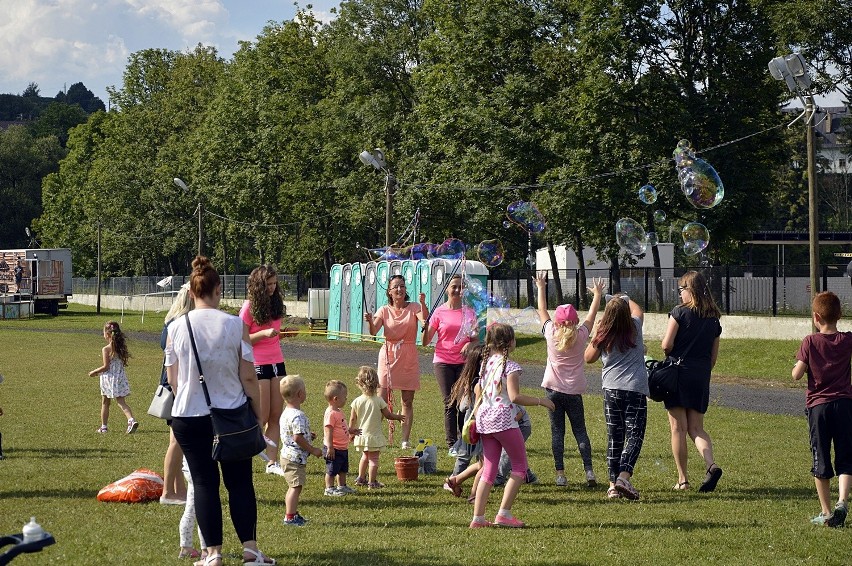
(398, 364)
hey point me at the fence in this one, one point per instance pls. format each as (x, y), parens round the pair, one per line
(768, 290)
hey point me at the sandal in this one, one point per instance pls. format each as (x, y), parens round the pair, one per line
(681, 486)
(359, 481)
(450, 484)
(711, 479)
(259, 559)
(375, 485)
(209, 560)
(612, 493)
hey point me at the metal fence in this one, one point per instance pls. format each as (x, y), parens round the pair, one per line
(767, 290)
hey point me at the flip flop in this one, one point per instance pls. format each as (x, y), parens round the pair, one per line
(711, 479)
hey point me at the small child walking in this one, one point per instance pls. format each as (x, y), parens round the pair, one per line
(618, 344)
(825, 356)
(498, 397)
(114, 383)
(366, 416)
(296, 445)
(336, 440)
(564, 380)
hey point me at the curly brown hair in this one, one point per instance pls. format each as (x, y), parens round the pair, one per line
(117, 342)
(263, 306)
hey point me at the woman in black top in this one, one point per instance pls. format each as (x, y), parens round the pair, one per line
(693, 334)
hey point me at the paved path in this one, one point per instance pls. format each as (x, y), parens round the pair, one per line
(771, 400)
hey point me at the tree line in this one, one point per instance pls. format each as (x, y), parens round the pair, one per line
(572, 104)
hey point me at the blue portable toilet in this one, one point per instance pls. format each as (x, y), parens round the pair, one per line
(356, 303)
(334, 299)
(345, 305)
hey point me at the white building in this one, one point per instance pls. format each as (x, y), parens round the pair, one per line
(567, 259)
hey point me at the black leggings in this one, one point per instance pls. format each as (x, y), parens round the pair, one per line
(447, 375)
(195, 436)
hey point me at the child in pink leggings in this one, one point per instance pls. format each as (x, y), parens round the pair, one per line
(498, 396)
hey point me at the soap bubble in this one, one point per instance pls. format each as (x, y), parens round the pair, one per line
(527, 321)
(423, 250)
(659, 216)
(451, 248)
(506, 224)
(651, 238)
(490, 252)
(479, 300)
(526, 214)
(698, 180)
(648, 194)
(696, 237)
(630, 236)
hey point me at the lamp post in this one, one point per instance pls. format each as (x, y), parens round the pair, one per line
(179, 183)
(377, 160)
(792, 70)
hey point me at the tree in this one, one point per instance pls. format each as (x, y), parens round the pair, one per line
(57, 119)
(85, 98)
(32, 91)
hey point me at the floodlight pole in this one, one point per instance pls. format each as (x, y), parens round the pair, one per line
(813, 204)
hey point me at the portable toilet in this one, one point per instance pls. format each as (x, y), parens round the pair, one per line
(334, 299)
(423, 276)
(345, 296)
(370, 285)
(356, 303)
(395, 269)
(409, 274)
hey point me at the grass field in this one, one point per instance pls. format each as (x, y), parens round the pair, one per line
(56, 463)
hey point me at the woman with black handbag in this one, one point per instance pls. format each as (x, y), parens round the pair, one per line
(228, 380)
(692, 334)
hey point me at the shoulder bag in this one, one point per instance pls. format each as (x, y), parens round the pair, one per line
(663, 375)
(236, 434)
(161, 404)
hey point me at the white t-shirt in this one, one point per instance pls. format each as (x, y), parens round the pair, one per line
(218, 336)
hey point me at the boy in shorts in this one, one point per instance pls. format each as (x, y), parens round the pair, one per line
(296, 445)
(825, 357)
(336, 440)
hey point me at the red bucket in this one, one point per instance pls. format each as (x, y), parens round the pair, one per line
(406, 468)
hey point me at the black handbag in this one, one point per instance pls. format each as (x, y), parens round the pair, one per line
(236, 434)
(663, 375)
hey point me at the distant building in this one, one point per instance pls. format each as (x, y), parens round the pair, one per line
(832, 138)
(567, 259)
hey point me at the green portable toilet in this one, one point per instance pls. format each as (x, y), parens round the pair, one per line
(412, 285)
(345, 303)
(369, 284)
(334, 298)
(382, 276)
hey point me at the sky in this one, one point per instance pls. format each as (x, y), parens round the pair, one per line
(56, 43)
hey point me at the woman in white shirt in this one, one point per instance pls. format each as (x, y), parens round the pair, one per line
(226, 356)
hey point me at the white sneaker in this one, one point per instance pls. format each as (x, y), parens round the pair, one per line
(333, 492)
(132, 425)
(406, 445)
(274, 468)
(561, 481)
(591, 480)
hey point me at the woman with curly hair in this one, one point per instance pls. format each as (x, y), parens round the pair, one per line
(262, 314)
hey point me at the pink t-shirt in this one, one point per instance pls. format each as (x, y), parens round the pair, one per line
(448, 322)
(564, 369)
(266, 350)
(339, 429)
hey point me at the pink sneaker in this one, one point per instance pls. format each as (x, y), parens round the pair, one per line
(501, 521)
(480, 525)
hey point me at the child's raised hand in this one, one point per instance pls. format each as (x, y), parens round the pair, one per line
(541, 278)
(597, 285)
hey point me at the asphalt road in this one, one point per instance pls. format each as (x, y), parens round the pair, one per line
(760, 399)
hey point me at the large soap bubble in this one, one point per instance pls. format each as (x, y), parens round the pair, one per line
(490, 252)
(648, 194)
(630, 236)
(526, 215)
(696, 237)
(451, 248)
(699, 182)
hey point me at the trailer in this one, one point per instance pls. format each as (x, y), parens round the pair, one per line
(39, 276)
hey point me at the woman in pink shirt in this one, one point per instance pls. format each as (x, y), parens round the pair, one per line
(452, 346)
(262, 314)
(398, 364)
(564, 380)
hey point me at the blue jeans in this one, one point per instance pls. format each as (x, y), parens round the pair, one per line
(572, 407)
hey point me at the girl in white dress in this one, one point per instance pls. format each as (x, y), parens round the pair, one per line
(114, 383)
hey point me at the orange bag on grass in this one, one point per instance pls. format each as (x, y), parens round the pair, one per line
(140, 486)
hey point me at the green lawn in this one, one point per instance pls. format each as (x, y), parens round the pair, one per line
(56, 463)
